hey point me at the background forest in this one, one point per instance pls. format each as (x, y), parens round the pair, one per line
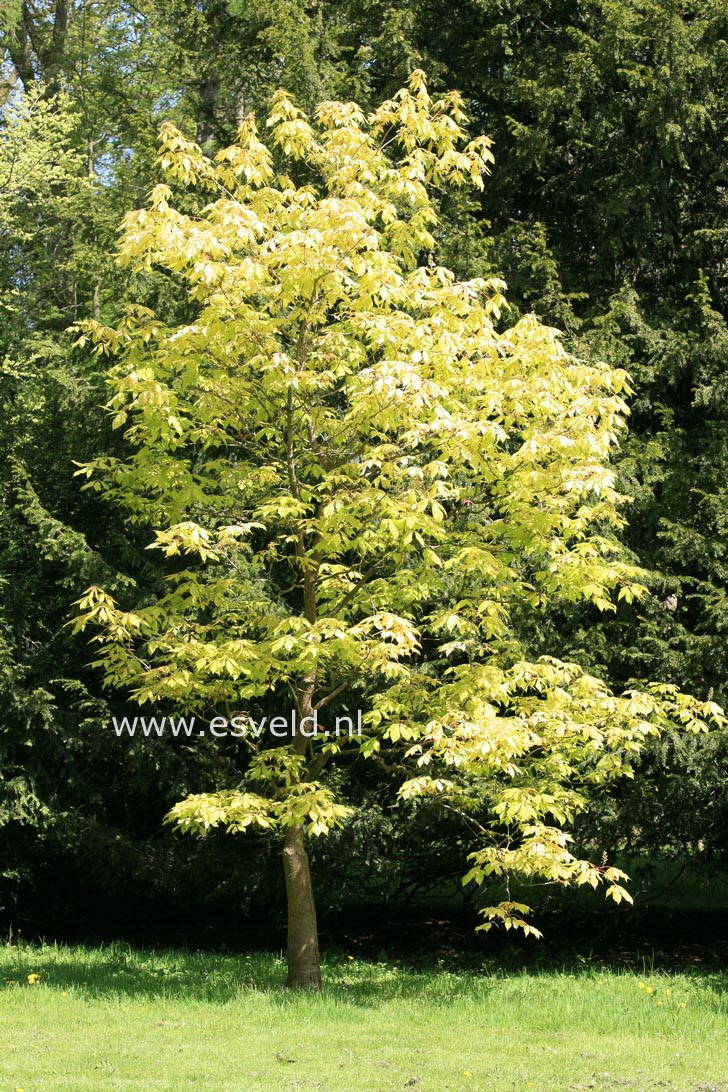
(607, 215)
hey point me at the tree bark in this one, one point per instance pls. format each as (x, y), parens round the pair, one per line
(19, 47)
(304, 962)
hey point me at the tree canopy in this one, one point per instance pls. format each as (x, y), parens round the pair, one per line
(370, 478)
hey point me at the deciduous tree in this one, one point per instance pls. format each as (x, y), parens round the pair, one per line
(362, 477)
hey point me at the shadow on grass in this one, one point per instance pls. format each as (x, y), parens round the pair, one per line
(120, 971)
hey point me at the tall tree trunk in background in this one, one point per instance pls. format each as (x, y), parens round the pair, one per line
(38, 49)
(209, 89)
(54, 57)
(18, 44)
(90, 169)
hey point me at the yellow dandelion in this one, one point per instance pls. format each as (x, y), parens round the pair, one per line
(650, 989)
(668, 993)
(64, 993)
(350, 958)
(681, 1005)
(33, 979)
(467, 1073)
(660, 1002)
(640, 985)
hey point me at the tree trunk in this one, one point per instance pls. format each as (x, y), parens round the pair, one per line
(304, 963)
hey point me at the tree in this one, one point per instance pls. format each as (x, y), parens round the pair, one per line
(365, 481)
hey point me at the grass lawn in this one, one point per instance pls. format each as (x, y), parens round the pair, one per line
(116, 1018)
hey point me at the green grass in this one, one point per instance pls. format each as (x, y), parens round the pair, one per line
(116, 1018)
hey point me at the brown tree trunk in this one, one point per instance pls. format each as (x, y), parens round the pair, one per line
(304, 963)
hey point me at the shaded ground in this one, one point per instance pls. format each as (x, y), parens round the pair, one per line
(620, 936)
(680, 920)
(627, 937)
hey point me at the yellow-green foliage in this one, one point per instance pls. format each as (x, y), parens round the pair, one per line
(356, 458)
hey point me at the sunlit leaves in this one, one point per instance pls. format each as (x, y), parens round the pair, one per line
(366, 476)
